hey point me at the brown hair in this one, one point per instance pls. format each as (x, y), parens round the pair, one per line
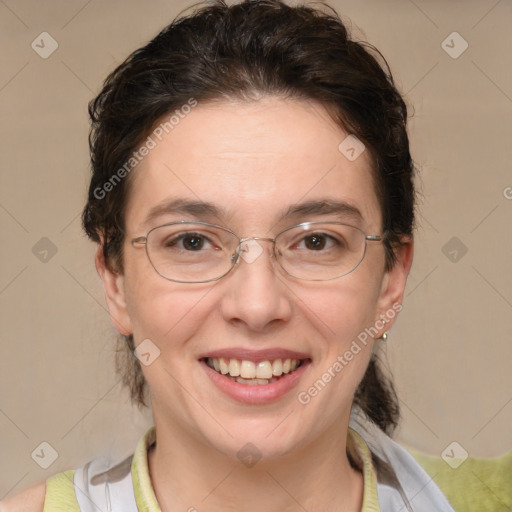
(249, 49)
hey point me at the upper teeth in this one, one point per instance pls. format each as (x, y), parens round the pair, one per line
(250, 370)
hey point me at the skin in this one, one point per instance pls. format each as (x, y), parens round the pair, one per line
(255, 159)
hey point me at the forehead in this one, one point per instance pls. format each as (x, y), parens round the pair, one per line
(253, 161)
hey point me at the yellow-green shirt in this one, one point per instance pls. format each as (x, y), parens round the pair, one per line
(60, 490)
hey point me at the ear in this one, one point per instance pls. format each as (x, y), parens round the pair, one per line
(113, 287)
(393, 286)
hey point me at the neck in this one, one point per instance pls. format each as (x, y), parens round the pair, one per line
(188, 475)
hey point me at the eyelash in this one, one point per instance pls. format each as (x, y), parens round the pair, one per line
(179, 238)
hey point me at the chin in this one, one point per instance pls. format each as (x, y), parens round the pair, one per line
(265, 438)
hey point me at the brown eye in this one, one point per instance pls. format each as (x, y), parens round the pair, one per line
(315, 242)
(193, 242)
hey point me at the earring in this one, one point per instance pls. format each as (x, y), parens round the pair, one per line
(383, 336)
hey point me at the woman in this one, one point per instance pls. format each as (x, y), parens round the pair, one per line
(253, 203)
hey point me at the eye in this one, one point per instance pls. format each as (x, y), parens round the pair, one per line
(189, 241)
(319, 242)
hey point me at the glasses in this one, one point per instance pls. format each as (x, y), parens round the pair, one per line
(199, 252)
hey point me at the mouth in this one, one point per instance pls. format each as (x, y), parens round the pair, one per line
(255, 376)
(252, 373)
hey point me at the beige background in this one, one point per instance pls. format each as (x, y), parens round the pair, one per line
(451, 350)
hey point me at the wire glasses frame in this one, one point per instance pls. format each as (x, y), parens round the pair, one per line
(349, 242)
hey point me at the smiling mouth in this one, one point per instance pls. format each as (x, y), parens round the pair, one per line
(254, 373)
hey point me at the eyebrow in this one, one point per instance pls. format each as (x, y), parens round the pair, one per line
(185, 206)
(201, 209)
(323, 207)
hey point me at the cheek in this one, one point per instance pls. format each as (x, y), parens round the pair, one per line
(162, 313)
(342, 317)
(340, 311)
(159, 309)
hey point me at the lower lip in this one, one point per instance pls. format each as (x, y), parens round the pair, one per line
(257, 393)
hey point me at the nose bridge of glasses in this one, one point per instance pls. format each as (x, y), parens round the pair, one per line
(249, 248)
(257, 238)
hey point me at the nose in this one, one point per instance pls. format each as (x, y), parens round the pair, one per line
(255, 294)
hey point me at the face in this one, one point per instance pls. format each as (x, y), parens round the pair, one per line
(253, 162)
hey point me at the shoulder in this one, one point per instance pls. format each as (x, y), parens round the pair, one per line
(29, 500)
